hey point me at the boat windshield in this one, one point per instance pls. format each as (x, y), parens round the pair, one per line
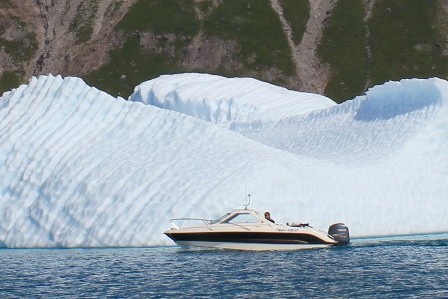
(220, 219)
(243, 218)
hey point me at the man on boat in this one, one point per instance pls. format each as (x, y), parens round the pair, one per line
(267, 215)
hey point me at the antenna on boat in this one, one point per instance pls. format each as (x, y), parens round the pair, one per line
(246, 204)
(246, 196)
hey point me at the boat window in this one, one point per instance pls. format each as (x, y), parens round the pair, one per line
(243, 218)
(220, 219)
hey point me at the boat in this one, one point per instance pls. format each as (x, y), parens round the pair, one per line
(246, 229)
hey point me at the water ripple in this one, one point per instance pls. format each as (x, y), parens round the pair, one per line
(398, 269)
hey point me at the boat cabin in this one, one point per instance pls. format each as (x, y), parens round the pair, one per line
(241, 216)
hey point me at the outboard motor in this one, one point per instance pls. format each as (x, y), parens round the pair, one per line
(339, 232)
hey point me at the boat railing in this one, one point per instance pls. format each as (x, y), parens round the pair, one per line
(207, 222)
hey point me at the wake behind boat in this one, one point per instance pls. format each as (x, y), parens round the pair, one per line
(246, 229)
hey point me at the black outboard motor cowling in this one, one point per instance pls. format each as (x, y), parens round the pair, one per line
(340, 233)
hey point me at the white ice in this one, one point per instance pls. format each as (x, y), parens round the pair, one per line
(79, 168)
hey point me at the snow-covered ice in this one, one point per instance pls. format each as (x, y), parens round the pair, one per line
(227, 102)
(79, 168)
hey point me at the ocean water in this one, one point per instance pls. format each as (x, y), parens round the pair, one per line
(377, 268)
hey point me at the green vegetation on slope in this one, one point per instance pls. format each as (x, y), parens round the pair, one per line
(161, 16)
(297, 13)
(128, 67)
(113, 8)
(257, 28)
(405, 42)
(20, 50)
(6, 4)
(157, 34)
(133, 63)
(343, 46)
(9, 80)
(82, 24)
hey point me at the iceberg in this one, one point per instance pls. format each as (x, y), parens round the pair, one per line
(80, 168)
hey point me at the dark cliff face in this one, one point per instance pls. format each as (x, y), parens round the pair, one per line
(67, 37)
(334, 47)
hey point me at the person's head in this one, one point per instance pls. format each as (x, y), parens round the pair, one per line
(267, 215)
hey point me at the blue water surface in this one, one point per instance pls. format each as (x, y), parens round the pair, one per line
(376, 268)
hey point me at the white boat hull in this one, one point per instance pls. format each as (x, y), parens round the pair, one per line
(247, 246)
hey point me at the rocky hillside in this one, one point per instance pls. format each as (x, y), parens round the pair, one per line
(334, 47)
